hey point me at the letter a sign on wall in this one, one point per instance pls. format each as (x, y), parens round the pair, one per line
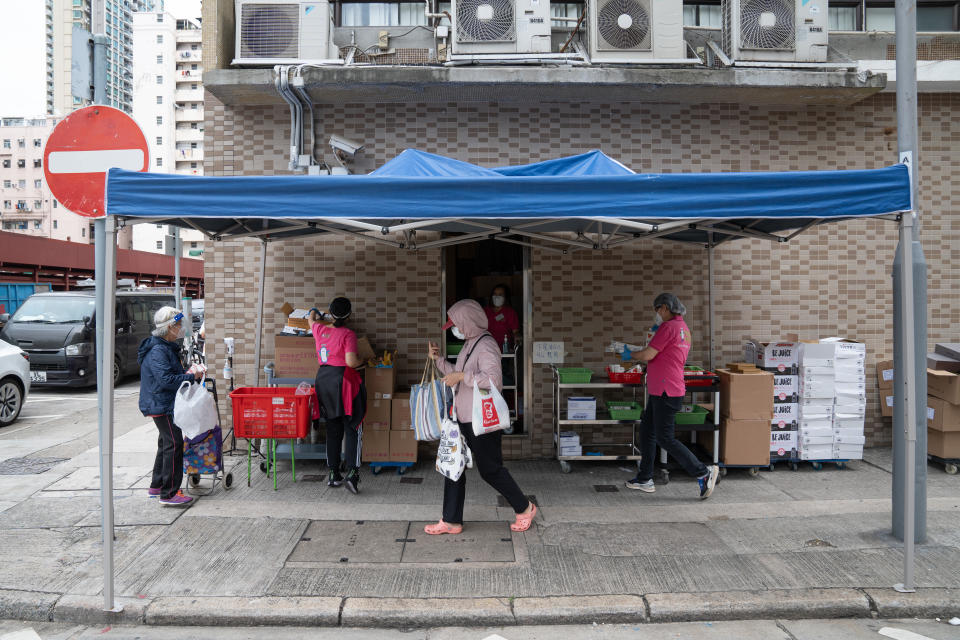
(80, 150)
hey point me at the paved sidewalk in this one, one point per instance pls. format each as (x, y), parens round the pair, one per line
(784, 544)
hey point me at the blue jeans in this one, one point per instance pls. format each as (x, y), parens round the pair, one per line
(657, 428)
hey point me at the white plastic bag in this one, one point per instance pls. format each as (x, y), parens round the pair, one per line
(490, 410)
(453, 454)
(194, 410)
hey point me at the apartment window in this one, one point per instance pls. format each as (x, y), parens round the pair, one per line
(37, 142)
(193, 165)
(159, 120)
(159, 162)
(37, 184)
(6, 164)
(21, 143)
(55, 205)
(702, 14)
(159, 226)
(159, 99)
(21, 204)
(193, 86)
(7, 184)
(37, 163)
(160, 59)
(6, 143)
(83, 232)
(159, 245)
(193, 105)
(21, 184)
(36, 224)
(193, 125)
(193, 145)
(193, 67)
(878, 15)
(193, 245)
(159, 38)
(159, 140)
(37, 204)
(159, 17)
(7, 204)
(194, 47)
(159, 79)
(382, 14)
(21, 164)
(55, 225)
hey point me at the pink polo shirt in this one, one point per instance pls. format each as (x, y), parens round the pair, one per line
(333, 344)
(665, 371)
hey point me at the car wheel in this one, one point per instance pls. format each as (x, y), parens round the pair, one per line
(116, 372)
(11, 401)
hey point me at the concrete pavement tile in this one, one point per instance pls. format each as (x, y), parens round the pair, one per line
(22, 487)
(925, 603)
(89, 478)
(248, 633)
(88, 609)
(257, 611)
(758, 605)
(135, 508)
(580, 609)
(45, 511)
(26, 605)
(867, 629)
(351, 541)
(44, 630)
(425, 612)
(636, 539)
(479, 542)
(741, 630)
(6, 505)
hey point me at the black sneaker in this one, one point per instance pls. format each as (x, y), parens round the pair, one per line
(353, 481)
(334, 479)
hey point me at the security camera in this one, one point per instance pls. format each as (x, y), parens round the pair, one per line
(348, 148)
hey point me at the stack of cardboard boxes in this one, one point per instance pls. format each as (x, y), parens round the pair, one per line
(850, 407)
(943, 414)
(781, 359)
(746, 408)
(388, 434)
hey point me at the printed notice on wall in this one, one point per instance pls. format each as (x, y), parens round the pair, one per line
(548, 352)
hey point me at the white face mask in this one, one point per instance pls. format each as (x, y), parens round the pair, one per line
(657, 320)
(457, 333)
(498, 301)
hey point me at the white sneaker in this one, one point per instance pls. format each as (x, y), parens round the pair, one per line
(646, 487)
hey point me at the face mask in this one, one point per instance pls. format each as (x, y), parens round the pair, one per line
(656, 319)
(498, 301)
(457, 333)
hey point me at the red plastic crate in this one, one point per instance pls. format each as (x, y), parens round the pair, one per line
(270, 412)
(632, 377)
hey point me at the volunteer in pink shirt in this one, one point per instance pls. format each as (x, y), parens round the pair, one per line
(665, 356)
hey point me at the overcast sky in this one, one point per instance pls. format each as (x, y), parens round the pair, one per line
(23, 88)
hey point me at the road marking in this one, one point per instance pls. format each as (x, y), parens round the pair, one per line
(902, 634)
(95, 161)
(58, 415)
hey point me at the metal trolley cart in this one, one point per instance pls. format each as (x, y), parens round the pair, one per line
(950, 465)
(698, 382)
(204, 455)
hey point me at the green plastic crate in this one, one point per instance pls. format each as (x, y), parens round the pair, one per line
(454, 349)
(625, 410)
(697, 416)
(574, 375)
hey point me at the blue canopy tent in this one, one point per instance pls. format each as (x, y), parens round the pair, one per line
(583, 202)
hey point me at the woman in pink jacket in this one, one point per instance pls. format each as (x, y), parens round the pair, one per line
(479, 362)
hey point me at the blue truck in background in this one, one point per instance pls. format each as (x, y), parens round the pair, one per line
(13, 294)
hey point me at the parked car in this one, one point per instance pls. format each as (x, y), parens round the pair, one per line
(14, 382)
(57, 330)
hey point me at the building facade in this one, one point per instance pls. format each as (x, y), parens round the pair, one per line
(833, 280)
(168, 105)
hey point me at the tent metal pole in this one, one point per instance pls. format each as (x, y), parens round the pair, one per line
(456, 240)
(710, 310)
(357, 234)
(176, 263)
(803, 229)
(269, 232)
(106, 318)
(193, 224)
(260, 296)
(546, 238)
(528, 244)
(906, 66)
(631, 224)
(743, 233)
(409, 226)
(352, 223)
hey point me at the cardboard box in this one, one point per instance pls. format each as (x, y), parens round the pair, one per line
(886, 404)
(816, 452)
(847, 452)
(746, 396)
(885, 374)
(943, 385)
(851, 397)
(568, 439)
(783, 357)
(400, 411)
(584, 408)
(295, 357)
(817, 373)
(376, 446)
(816, 405)
(858, 409)
(745, 442)
(942, 362)
(571, 451)
(846, 433)
(380, 380)
(847, 348)
(807, 440)
(364, 350)
(785, 414)
(941, 415)
(378, 415)
(943, 444)
(783, 443)
(811, 354)
(786, 388)
(817, 388)
(403, 446)
(848, 423)
(813, 426)
(847, 439)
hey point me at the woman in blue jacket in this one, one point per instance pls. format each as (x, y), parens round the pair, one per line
(161, 374)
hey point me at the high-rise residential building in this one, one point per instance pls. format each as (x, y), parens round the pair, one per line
(168, 105)
(67, 24)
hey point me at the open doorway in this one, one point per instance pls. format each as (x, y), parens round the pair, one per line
(475, 271)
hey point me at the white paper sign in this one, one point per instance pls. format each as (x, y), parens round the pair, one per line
(548, 352)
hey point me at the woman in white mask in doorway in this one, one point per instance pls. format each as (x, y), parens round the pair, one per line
(665, 357)
(161, 374)
(479, 361)
(502, 321)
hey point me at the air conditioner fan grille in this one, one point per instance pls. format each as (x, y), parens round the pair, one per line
(767, 24)
(624, 24)
(485, 20)
(269, 30)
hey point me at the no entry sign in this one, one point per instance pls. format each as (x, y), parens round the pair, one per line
(80, 150)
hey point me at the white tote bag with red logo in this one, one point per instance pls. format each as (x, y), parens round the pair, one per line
(490, 411)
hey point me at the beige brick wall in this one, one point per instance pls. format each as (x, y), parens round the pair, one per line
(831, 281)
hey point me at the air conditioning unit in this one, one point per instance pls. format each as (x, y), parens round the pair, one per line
(501, 26)
(282, 31)
(775, 30)
(636, 30)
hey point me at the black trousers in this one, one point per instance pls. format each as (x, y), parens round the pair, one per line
(657, 427)
(488, 459)
(337, 431)
(168, 465)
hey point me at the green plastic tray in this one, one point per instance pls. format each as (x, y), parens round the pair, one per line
(697, 416)
(625, 410)
(454, 349)
(574, 375)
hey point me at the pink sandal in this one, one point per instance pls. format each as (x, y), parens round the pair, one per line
(524, 520)
(443, 527)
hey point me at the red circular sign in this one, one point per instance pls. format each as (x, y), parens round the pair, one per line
(80, 150)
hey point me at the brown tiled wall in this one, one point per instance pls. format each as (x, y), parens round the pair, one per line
(831, 281)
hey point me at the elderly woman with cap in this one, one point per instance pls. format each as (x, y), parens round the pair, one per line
(665, 357)
(161, 374)
(479, 361)
(340, 391)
